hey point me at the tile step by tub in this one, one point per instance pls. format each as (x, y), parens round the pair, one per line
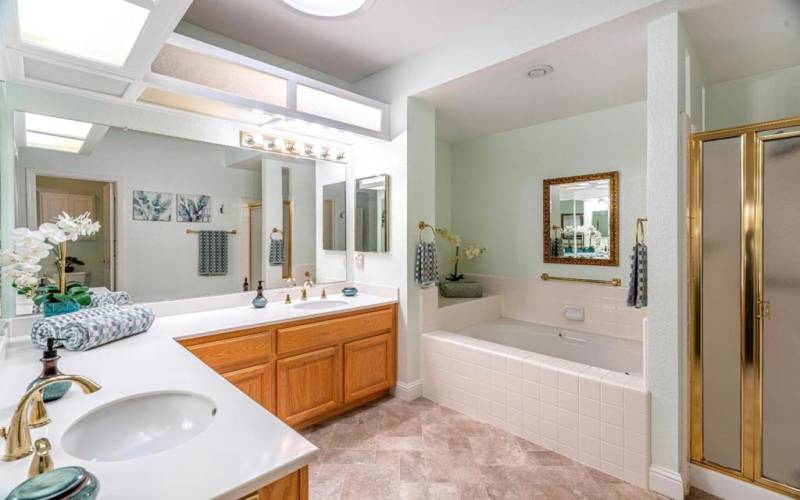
(594, 416)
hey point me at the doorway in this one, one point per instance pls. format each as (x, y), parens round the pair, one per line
(91, 260)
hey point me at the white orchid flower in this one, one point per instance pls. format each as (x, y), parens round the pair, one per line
(26, 281)
(22, 236)
(52, 233)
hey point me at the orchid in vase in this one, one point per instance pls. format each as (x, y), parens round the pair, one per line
(469, 252)
(29, 247)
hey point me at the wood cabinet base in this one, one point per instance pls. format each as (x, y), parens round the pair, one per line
(291, 487)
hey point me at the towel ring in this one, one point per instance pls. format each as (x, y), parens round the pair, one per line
(424, 225)
(640, 230)
(275, 231)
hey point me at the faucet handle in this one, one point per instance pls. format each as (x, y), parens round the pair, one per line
(324, 294)
(38, 414)
(42, 461)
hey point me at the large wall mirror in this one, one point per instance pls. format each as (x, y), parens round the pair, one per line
(372, 214)
(581, 216)
(154, 195)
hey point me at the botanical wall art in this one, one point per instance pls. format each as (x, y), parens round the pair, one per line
(152, 206)
(194, 208)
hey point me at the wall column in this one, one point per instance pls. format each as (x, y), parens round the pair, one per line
(7, 295)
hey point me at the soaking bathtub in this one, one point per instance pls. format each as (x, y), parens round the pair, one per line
(619, 355)
(579, 394)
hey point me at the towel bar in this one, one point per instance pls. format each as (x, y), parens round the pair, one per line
(611, 282)
(194, 231)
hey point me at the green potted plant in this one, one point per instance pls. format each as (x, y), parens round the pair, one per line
(455, 286)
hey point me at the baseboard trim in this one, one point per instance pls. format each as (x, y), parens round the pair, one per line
(728, 487)
(666, 482)
(408, 391)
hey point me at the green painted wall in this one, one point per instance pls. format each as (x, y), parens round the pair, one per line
(497, 187)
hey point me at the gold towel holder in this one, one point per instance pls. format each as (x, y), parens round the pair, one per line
(423, 226)
(275, 231)
(194, 231)
(640, 229)
(611, 282)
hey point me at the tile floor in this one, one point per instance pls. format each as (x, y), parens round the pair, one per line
(397, 450)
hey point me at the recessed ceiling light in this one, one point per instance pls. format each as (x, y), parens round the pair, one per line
(328, 9)
(540, 71)
(57, 126)
(99, 30)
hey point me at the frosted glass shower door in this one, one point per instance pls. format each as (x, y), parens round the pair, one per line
(780, 312)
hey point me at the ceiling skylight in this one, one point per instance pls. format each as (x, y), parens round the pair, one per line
(58, 134)
(319, 103)
(327, 8)
(56, 143)
(99, 30)
(56, 126)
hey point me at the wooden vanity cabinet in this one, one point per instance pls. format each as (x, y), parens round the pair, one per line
(309, 370)
(291, 487)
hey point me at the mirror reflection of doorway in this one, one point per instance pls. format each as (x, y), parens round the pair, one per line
(256, 254)
(91, 260)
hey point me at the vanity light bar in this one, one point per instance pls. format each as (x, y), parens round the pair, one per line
(291, 147)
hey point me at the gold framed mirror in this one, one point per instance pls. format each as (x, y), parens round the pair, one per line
(581, 219)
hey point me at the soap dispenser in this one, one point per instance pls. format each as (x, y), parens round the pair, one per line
(260, 301)
(50, 369)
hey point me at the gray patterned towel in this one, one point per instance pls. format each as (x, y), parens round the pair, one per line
(213, 247)
(118, 322)
(276, 252)
(637, 287)
(426, 270)
(109, 299)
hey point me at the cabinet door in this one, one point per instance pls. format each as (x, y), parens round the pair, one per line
(80, 204)
(368, 367)
(309, 384)
(51, 205)
(257, 382)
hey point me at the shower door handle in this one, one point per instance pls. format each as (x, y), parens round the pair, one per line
(764, 310)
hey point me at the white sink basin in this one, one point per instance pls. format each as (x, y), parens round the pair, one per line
(318, 305)
(138, 426)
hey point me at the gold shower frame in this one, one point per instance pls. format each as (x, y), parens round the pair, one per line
(751, 292)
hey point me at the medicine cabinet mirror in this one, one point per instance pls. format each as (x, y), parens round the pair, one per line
(372, 214)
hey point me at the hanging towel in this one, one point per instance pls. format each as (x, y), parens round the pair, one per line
(213, 247)
(276, 252)
(637, 286)
(426, 270)
(92, 327)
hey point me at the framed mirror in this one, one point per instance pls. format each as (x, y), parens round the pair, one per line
(581, 215)
(372, 214)
(334, 216)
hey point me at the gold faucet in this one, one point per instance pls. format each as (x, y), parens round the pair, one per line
(42, 461)
(303, 293)
(18, 433)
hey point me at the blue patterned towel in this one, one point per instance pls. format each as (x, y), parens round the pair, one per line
(93, 327)
(426, 270)
(637, 286)
(213, 250)
(110, 299)
(276, 252)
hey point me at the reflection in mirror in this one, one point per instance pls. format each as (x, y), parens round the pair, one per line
(580, 219)
(334, 216)
(154, 195)
(372, 214)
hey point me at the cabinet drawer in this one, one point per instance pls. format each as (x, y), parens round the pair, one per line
(334, 331)
(231, 353)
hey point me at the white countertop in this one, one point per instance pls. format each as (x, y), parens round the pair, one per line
(245, 447)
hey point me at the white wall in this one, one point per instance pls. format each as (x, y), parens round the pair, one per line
(444, 200)
(759, 98)
(497, 187)
(158, 260)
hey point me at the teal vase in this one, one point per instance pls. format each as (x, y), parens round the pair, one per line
(57, 308)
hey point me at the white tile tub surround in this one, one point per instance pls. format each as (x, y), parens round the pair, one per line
(594, 416)
(543, 302)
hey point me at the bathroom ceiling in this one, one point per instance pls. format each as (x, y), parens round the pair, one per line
(607, 66)
(351, 48)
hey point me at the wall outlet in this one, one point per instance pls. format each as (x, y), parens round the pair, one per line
(574, 313)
